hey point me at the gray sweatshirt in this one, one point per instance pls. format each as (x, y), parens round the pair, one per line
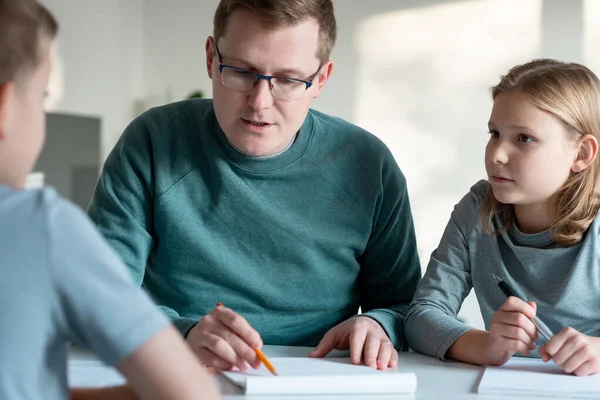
(563, 281)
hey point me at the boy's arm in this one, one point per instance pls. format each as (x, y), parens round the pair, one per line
(165, 368)
(115, 393)
(125, 330)
(162, 368)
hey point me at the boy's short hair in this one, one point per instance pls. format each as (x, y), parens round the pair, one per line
(26, 27)
(275, 13)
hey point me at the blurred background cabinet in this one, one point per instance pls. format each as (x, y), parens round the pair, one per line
(70, 160)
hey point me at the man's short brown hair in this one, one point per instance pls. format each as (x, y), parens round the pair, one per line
(274, 13)
(26, 27)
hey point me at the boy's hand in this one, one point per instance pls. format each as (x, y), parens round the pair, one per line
(511, 330)
(575, 352)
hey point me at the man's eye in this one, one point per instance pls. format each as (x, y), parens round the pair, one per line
(287, 82)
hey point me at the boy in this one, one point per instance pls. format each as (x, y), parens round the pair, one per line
(60, 282)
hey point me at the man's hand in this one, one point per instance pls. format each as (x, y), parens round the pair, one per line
(366, 339)
(511, 330)
(575, 352)
(223, 339)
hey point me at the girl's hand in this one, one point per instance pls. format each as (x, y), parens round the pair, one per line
(511, 330)
(575, 352)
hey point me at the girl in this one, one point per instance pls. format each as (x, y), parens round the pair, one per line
(532, 223)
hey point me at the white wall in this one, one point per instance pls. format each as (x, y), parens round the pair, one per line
(414, 72)
(100, 51)
(174, 36)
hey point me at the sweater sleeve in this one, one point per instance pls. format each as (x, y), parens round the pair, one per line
(390, 267)
(123, 203)
(431, 324)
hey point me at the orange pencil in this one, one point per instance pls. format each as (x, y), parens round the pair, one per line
(265, 361)
(260, 355)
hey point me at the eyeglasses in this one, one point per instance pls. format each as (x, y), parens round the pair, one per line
(282, 88)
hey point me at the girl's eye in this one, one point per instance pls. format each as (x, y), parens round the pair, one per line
(524, 138)
(494, 134)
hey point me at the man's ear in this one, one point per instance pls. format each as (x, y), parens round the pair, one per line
(588, 150)
(210, 49)
(323, 76)
(6, 94)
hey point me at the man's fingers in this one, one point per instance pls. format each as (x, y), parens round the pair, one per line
(239, 326)
(357, 343)
(371, 350)
(210, 359)
(239, 346)
(394, 359)
(385, 354)
(223, 349)
(325, 345)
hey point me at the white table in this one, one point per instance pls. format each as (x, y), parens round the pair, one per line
(436, 379)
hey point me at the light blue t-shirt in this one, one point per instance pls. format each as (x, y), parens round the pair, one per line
(60, 283)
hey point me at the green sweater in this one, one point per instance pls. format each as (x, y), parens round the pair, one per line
(294, 243)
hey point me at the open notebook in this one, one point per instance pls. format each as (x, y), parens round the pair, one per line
(532, 377)
(322, 376)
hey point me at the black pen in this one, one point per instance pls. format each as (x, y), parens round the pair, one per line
(508, 291)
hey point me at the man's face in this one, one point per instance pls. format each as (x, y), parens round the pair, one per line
(254, 121)
(23, 131)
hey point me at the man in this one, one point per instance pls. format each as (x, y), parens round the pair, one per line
(292, 218)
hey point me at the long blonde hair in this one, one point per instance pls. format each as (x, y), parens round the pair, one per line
(569, 92)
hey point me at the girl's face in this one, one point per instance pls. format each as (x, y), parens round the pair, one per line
(529, 155)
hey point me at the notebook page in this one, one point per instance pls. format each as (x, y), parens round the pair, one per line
(322, 376)
(88, 373)
(532, 377)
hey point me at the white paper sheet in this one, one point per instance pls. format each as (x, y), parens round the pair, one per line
(92, 373)
(322, 376)
(532, 377)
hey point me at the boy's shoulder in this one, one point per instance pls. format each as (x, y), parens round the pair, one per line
(35, 215)
(26, 207)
